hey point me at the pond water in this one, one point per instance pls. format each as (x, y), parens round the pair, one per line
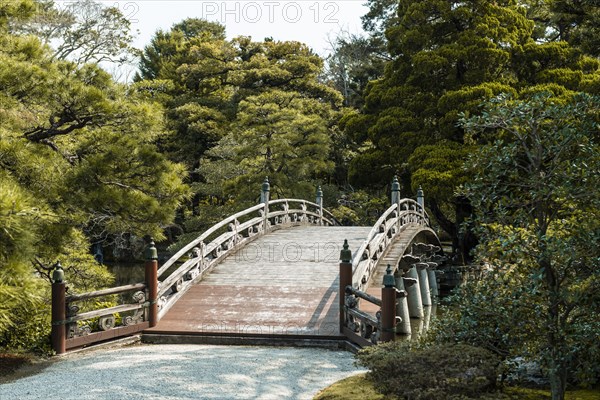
(420, 326)
(127, 273)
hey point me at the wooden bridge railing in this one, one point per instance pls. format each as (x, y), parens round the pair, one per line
(355, 273)
(72, 329)
(358, 326)
(401, 213)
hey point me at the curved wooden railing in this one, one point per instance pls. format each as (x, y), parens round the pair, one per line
(381, 235)
(225, 237)
(73, 328)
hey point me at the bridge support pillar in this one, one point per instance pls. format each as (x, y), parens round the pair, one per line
(59, 311)
(345, 280)
(402, 309)
(433, 285)
(151, 278)
(388, 307)
(415, 303)
(424, 284)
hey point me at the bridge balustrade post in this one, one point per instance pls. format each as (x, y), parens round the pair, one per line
(319, 201)
(396, 200)
(345, 280)
(424, 283)
(151, 278)
(59, 311)
(388, 307)
(264, 199)
(421, 200)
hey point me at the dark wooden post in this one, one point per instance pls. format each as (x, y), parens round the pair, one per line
(388, 307)
(59, 311)
(345, 280)
(151, 277)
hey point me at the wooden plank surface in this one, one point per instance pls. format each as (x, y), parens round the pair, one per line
(284, 283)
(392, 257)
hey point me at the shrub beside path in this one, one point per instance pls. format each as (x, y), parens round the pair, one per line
(186, 372)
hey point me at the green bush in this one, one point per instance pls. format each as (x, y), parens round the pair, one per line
(452, 371)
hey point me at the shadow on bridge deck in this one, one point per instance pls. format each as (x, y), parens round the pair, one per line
(282, 287)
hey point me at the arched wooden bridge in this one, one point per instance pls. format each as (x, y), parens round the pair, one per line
(271, 274)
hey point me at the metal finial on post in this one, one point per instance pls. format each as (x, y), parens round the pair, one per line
(346, 253)
(395, 190)
(265, 189)
(388, 278)
(58, 276)
(151, 253)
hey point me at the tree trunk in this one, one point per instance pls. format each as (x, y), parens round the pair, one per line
(466, 238)
(445, 223)
(463, 240)
(556, 345)
(558, 382)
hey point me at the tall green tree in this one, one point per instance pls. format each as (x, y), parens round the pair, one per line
(277, 134)
(82, 31)
(225, 96)
(78, 165)
(537, 208)
(448, 57)
(353, 62)
(574, 21)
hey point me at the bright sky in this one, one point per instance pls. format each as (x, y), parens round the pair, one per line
(308, 21)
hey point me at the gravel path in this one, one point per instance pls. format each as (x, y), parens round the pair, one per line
(186, 372)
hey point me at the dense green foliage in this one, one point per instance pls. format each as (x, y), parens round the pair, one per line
(239, 111)
(436, 372)
(535, 192)
(87, 161)
(448, 57)
(78, 165)
(359, 387)
(82, 31)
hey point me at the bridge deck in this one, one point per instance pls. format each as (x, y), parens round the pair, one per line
(284, 283)
(392, 256)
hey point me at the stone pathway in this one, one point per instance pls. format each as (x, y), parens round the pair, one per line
(186, 372)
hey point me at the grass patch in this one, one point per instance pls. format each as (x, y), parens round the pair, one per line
(540, 394)
(358, 387)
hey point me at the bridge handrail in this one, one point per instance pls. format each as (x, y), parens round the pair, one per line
(396, 217)
(186, 249)
(325, 211)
